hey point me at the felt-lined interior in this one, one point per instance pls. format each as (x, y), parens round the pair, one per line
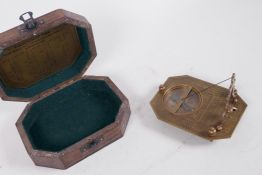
(69, 115)
(52, 78)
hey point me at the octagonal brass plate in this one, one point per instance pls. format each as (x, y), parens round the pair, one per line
(204, 109)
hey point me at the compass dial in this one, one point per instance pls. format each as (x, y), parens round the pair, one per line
(182, 100)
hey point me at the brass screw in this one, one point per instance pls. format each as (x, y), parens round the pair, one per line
(212, 131)
(219, 128)
(162, 88)
(234, 108)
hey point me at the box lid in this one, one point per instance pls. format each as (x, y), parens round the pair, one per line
(43, 54)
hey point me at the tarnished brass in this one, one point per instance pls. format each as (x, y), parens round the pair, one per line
(32, 60)
(204, 109)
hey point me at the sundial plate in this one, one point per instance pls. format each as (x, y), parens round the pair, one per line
(182, 102)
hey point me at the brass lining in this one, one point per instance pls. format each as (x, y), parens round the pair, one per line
(32, 60)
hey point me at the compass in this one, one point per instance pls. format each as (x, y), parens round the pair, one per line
(182, 100)
(202, 108)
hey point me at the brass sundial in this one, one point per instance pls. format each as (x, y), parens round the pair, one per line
(207, 110)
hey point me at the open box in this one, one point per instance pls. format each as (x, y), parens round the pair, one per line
(69, 116)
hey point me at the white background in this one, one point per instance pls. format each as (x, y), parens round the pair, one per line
(139, 44)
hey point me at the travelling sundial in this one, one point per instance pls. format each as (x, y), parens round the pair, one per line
(202, 108)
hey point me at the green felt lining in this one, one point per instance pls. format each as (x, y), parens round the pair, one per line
(57, 78)
(71, 114)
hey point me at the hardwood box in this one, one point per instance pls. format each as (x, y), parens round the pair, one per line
(69, 116)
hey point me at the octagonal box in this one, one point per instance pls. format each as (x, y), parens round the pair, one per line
(69, 117)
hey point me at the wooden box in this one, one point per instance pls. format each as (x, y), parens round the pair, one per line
(69, 117)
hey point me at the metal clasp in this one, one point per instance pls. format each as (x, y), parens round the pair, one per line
(91, 144)
(30, 23)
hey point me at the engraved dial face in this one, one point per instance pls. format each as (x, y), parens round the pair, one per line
(182, 100)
